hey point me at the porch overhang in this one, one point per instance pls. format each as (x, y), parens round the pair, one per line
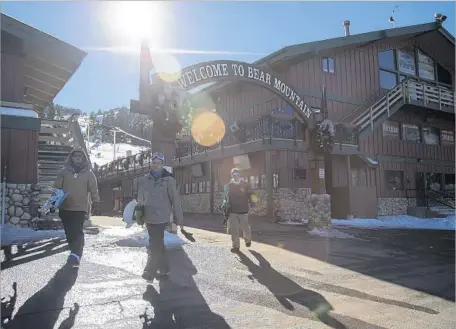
(49, 62)
(370, 162)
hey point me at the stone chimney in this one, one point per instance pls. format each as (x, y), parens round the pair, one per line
(347, 28)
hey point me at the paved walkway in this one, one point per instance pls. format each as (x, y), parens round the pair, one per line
(289, 279)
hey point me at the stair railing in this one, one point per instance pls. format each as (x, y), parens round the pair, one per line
(362, 108)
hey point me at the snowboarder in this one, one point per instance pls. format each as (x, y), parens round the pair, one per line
(238, 196)
(77, 181)
(158, 197)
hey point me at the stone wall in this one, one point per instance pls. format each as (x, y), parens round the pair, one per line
(319, 211)
(394, 206)
(22, 204)
(289, 203)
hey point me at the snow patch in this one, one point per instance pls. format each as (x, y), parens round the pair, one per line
(136, 236)
(398, 222)
(103, 153)
(330, 233)
(14, 235)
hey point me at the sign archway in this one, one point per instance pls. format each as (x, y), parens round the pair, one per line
(219, 71)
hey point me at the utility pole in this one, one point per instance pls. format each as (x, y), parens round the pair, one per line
(114, 151)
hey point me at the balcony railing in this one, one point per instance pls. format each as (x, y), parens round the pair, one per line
(407, 92)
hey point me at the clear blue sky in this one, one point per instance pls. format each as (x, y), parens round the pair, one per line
(107, 80)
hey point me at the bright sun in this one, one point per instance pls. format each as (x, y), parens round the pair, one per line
(133, 21)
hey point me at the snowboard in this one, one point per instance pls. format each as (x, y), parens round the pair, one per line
(54, 201)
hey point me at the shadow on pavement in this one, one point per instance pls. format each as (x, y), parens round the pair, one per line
(51, 298)
(179, 304)
(33, 252)
(8, 306)
(423, 260)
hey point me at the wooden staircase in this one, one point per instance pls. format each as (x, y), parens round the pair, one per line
(370, 116)
(56, 140)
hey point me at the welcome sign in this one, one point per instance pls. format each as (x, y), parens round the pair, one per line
(207, 72)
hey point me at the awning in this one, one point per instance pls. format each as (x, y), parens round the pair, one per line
(367, 160)
(49, 62)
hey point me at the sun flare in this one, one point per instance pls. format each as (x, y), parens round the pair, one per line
(133, 21)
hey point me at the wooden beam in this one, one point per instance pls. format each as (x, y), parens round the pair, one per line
(269, 184)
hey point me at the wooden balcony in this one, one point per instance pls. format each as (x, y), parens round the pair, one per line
(408, 92)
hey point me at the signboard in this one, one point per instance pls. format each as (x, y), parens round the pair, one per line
(425, 66)
(391, 129)
(321, 173)
(447, 137)
(406, 61)
(207, 72)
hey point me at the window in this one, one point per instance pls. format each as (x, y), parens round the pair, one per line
(434, 181)
(411, 133)
(386, 59)
(275, 180)
(387, 80)
(327, 64)
(193, 187)
(431, 136)
(263, 181)
(406, 61)
(391, 129)
(254, 182)
(187, 189)
(443, 75)
(200, 187)
(394, 179)
(449, 182)
(426, 68)
(447, 137)
(300, 173)
(208, 187)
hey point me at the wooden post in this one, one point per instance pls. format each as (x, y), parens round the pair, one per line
(269, 184)
(211, 189)
(349, 185)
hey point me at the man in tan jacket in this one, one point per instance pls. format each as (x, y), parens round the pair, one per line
(78, 181)
(158, 196)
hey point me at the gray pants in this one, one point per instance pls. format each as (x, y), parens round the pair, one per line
(236, 222)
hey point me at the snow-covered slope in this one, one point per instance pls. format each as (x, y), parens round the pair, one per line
(103, 153)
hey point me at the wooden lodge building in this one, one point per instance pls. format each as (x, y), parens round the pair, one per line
(395, 87)
(34, 68)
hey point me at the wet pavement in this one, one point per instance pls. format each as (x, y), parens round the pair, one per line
(288, 279)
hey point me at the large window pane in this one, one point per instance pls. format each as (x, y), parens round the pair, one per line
(431, 136)
(434, 181)
(391, 129)
(406, 61)
(447, 137)
(394, 180)
(387, 79)
(386, 59)
(443, 75)
(449, 182)
(411, 133)
(426, 67)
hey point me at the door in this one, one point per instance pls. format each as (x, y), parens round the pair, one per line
(420, 185)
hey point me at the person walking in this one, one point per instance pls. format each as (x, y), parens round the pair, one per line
(78, 181)
(158, 197)
(237, 198)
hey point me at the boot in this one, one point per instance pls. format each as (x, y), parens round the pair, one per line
(148, 273)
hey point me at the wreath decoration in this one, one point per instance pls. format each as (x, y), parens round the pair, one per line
(323, 137)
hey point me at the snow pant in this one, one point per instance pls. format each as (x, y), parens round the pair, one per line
(236, 222)
(156, 251)
(73, 224)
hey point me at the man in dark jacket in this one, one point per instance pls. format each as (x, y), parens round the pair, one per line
(158, 196)
(237, 200)
(78, 181)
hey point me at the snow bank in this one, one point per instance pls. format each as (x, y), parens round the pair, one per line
(136, 236)
(15, 235)
(398, 222)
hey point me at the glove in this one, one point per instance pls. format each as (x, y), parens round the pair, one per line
(96, 209)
